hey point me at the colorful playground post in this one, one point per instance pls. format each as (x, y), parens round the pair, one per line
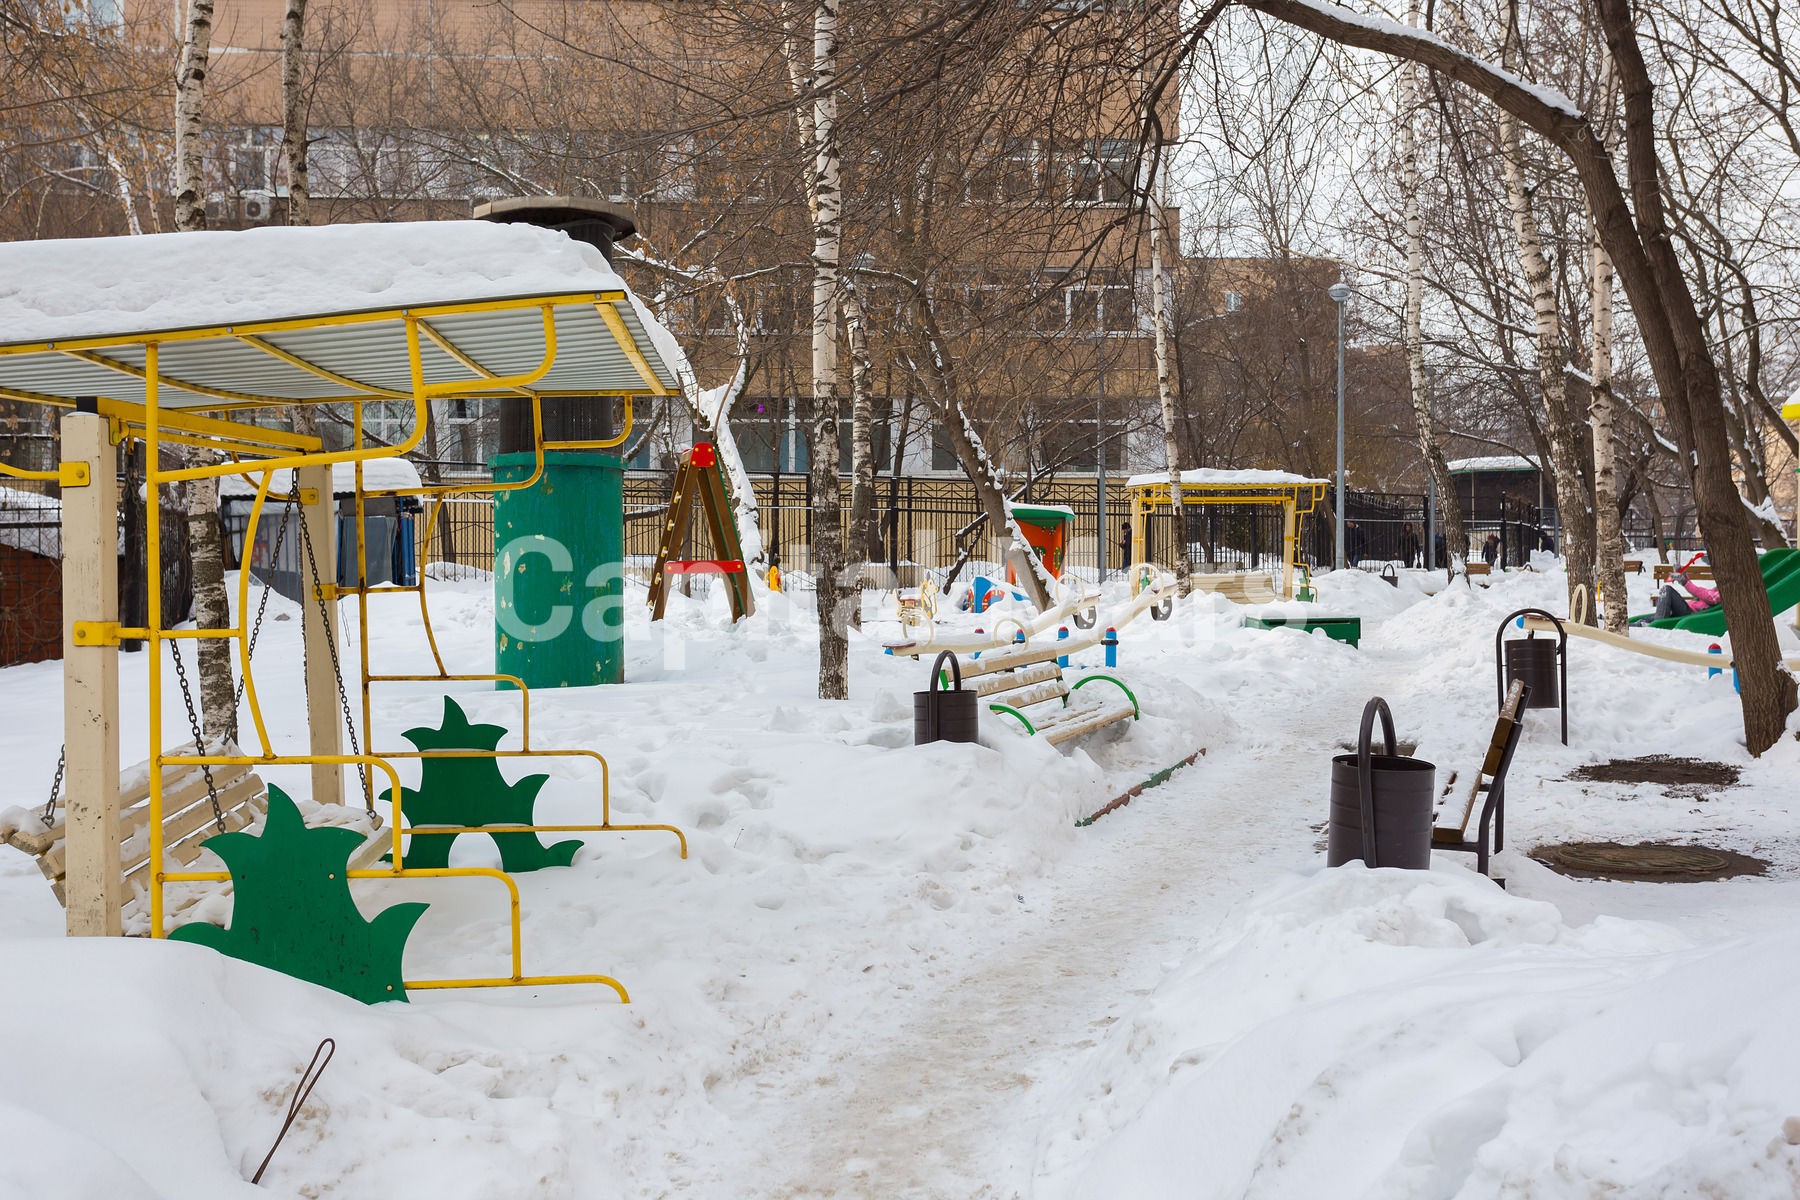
(1046, 528)
(559, 580)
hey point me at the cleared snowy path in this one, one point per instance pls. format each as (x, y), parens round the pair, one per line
(945, 1106)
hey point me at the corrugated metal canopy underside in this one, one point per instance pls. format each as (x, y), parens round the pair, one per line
(464, 350)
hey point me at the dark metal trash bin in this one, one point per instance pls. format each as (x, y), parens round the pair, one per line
(1533, 660)
(1540, 663)
(1382, 801)
(945, 714)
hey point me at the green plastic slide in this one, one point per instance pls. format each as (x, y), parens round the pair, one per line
(1781, 575)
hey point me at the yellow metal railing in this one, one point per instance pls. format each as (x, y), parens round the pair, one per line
(272, 450)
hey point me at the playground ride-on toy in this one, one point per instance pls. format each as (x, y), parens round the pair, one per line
(919, 610)
(181, 333)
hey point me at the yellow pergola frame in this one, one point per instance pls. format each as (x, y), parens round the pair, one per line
(1296, 500)
(255, 451)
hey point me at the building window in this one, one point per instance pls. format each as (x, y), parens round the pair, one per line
(1020, 178)
(1102, 172)
(943, 454)
(1068, 445)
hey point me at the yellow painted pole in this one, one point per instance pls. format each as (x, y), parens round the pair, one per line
(153, 625)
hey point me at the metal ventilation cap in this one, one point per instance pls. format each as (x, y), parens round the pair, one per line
(595, 222)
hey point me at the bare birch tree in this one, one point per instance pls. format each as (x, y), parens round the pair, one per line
(190, 99)
(294, 111)
(1560, 421)
(1449, 506)
(1638, 237)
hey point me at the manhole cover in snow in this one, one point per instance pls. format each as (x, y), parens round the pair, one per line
(1647, 861)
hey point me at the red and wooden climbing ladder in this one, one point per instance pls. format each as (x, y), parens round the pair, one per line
(698, 475)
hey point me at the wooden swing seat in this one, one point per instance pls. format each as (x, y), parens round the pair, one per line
(187, 819)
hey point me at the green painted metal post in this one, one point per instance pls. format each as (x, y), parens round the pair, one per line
(559, 580)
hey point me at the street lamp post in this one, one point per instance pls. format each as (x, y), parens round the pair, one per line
(1100, 464)
(1340, 294)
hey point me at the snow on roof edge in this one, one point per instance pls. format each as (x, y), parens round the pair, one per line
(1228, 478)
(67, 288)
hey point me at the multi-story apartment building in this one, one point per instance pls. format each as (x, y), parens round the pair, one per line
(1015, 219)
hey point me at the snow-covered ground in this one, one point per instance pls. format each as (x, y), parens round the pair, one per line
(888, 971)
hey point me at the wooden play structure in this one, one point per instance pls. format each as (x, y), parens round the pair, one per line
(1295, 495)
(698, 477)
(197, 345)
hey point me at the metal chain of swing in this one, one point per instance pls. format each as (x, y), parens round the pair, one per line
(187, 698)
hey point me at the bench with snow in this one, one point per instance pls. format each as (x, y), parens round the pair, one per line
(1029, 686)
(189, 819)
(1451, 828)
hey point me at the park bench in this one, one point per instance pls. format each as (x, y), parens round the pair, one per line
(1477, 568)
(1663, 572)
(1451, 828)
(1029, 686)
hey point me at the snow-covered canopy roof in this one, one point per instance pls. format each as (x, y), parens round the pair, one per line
(1222, 478)
(1493, 462)
(379, 475)
(282, 315)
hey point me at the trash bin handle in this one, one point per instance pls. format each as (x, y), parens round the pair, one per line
(1365, 771)
(937, 670)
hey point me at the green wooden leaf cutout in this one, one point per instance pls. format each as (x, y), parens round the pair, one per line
(291, 909)
(471, 791)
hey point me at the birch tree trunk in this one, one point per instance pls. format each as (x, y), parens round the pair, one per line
(1449, 508)
(212, 610)
(190, 97)
(1609, 547)
(827, 506)
(293, 111)
(1165, 390)
(218, 691)
(1559, 423)
(862, 449)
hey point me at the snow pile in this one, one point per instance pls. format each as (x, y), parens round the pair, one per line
(1402, 1034)
(101, 287)
(898, 970)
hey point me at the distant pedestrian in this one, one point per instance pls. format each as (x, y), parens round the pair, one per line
(1125, 545)
(1409, 546)
(1440, 551)
(1490, 549)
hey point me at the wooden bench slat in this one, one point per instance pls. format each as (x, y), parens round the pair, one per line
(1037, 693)
(1061, 730)
(989, 685)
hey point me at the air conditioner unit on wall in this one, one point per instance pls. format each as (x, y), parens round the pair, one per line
(257, 207)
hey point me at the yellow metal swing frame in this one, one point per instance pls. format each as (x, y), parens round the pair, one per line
(1295, 499)
(63, 374)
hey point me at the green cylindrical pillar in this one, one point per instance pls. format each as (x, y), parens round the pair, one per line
(559, 579)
